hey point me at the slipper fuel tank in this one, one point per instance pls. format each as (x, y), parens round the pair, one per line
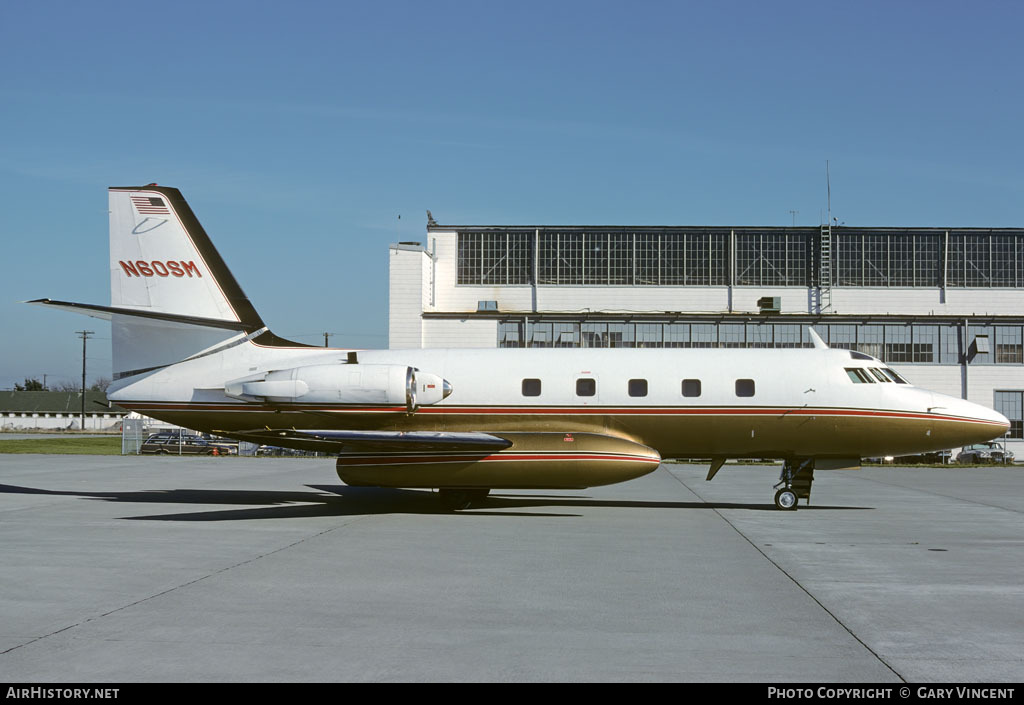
(534, 460)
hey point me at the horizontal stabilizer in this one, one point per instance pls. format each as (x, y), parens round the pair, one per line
(107, 312)
(380, 441)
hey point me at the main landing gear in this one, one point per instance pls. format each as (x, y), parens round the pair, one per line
(794, 483)
(457, 499)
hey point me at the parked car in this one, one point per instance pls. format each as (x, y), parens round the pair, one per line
(178, 443)
(933, 458)
(227, 446)
(990, 452)
(277, 451)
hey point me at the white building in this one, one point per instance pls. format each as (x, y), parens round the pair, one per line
(58, 411)
(943, 306)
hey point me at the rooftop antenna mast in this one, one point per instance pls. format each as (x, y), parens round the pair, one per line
(824, 289)
(828, 188)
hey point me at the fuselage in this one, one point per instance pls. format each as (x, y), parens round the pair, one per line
(189, 347)
(771, 403)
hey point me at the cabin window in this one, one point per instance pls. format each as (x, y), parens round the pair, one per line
(586, 387)
(859, 376)
(638, 387)
(744, 387)
(879, 375)
(691, 387)
(531, 387)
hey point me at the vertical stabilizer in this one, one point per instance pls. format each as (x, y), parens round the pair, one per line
(163, 265)
(161, 260)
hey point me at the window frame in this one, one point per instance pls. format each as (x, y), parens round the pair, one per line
(740, 391)
(637, 382)
(593, 386)
(540, 387)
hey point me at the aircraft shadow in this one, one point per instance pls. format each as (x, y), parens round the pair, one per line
(342, 500)
(328, 501)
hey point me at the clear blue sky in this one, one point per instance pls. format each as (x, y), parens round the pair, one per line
(300, 131)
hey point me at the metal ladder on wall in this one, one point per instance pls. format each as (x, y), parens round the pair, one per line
(825, 269)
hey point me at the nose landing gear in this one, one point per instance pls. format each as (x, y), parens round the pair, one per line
(794, 483)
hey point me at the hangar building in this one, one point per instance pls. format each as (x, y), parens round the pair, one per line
(944, 306)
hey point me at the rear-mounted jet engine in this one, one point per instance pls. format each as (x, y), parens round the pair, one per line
(342, 384)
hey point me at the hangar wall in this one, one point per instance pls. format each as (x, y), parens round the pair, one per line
(943, 306)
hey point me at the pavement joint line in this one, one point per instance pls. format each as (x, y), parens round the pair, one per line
(794, 580)
(187, 584)
(936, 494)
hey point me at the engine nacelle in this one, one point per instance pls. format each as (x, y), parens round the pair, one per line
(342, 384)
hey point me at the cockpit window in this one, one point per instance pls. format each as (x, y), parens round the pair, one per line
(859, 376)
(857, 355)
(880, 376)
(892, 374)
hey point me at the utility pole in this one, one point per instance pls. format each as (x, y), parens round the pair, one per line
(326, 336)
(85, 336)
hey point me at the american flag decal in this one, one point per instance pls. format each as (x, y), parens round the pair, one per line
(150, 205)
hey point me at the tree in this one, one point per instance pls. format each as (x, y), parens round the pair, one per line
(67, 387)
(31, 385)
(100, 384)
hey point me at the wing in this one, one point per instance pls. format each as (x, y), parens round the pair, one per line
(329, 441)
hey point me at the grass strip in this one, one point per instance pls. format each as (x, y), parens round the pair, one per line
(100, 445)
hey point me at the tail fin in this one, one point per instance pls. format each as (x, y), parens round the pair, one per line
(172, 298)
(162, 260)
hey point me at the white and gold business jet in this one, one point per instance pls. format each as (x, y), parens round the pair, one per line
(190, 349)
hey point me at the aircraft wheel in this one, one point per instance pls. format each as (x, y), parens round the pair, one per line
(785, 499)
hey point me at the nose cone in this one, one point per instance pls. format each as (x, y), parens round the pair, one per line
(960, 422)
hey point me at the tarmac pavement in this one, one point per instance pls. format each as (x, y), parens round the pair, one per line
(119, 569)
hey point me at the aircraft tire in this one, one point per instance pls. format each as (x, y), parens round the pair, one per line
(785, 499)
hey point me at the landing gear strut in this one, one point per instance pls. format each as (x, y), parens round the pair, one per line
(794, 483)
(456, 499)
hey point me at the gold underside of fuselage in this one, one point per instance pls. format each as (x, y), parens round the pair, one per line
(733, 434)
